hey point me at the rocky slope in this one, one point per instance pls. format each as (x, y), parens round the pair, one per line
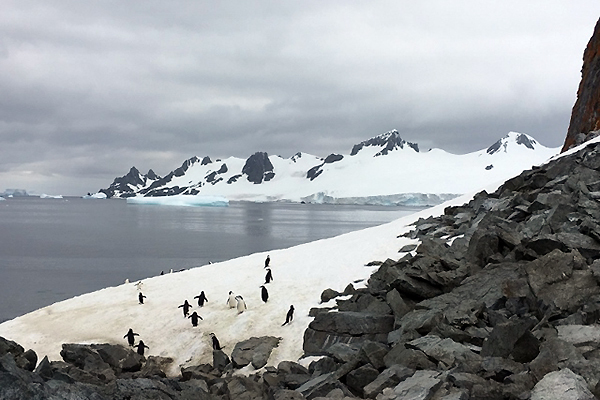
(585, 118)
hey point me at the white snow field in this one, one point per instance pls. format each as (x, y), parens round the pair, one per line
(300, 274)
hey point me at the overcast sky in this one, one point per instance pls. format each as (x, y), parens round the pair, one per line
(90, 88)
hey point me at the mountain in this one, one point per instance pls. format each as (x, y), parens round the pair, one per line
(385, 169)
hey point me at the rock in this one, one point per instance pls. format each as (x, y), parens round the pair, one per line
(329, 294)
(561, 385)
(390, 377)
(421, 386)
(258, 167)
(220, 360)
(360, 377)
(88, 360)
(503, 338)
(322, 366)
(584, 116)
(244, 388)
(410, 358)
(399, 307)
(321, 386)
(446, 351)
(254, 350)
(342, 352)
(27, 360)
(374, 353)
(347, 327)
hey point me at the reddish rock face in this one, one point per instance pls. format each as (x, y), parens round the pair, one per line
(585, 117)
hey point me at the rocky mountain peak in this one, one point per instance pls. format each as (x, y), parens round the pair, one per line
(585, 117)
(512, 137)
(258, 167)
(387, 142)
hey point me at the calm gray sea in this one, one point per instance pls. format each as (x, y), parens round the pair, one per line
(54, 249)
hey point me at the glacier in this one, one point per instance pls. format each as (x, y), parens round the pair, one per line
(182, 200)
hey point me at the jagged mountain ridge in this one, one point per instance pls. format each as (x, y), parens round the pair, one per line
(385, 169)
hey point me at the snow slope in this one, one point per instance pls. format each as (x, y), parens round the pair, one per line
(382, 170)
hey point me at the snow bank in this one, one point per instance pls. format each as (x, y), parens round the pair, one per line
(181, 200)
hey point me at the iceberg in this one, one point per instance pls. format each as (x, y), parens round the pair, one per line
(182, 200)
(48, 196)
(401, 199)
(98, 195)
(2, 198)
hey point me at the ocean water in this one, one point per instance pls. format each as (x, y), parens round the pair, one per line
(54, 249)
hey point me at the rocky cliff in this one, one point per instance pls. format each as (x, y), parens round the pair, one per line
(585, 118)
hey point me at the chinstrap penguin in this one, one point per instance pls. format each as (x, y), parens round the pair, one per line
(290, 316)
(264, 295)
(241, 304)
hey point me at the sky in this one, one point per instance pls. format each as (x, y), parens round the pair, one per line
(90, 89)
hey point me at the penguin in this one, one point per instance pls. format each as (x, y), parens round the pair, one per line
(140, 348)
(201, 299)
(127, 280)
(264, 295)
(269, 276)
(194, 318)
(241, 305)
(290, 315)
(267, 261)
(186, 308)
(162, 272)
(231, 302)
(141, 298)
(130, 336)
(139, 285)
(215, 342)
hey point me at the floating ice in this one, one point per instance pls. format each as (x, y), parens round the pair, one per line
(181, 200)
(48, 196)
(98, 195)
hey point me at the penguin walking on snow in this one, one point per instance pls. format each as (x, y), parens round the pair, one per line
(186, 308)
(141, 298)
(130, 336)
(231, 302)
(290, 315)
(195, 318)
(140, 348)
(201, 299)
(267, 261)
(264, 295)
(215, 342)
(241, 304)
(269, 276)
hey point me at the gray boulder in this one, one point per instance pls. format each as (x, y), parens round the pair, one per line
(421, 386)
(255, 350)
(562, 385)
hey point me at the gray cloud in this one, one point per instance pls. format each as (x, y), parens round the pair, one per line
(91, 88)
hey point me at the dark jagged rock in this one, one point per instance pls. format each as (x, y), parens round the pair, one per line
(388, 141)
(258, 168)
(585, 118)
(254, 350)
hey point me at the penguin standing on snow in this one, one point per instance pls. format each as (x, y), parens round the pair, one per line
(186, 308)
(241, 304)
(195, 318)
(269, 276)
(201, 299)
(141, 298)
(215, 342)
(231, 302)
(267, 261)
(290, 315)
(130, 336)
(264, 295)
(140, 348)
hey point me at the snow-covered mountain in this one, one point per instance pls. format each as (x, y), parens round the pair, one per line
(382, 170)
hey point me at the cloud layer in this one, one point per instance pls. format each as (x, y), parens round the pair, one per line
(91, 88)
